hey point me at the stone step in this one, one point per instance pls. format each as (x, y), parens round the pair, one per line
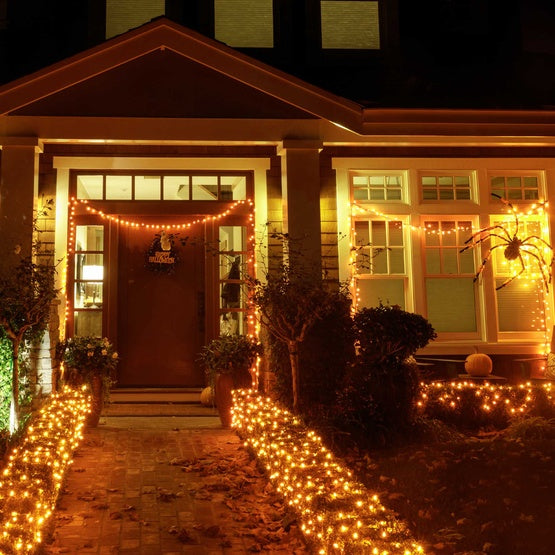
(155, 395)
(158, 409)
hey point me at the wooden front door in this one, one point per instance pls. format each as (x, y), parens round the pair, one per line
(160, 316)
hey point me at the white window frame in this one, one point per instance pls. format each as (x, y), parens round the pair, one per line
(538, 174)
(471, 174)
(380, 173)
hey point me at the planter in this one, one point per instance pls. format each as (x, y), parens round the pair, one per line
(97, 393)
(223, 398)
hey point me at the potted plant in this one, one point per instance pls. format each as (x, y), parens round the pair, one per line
(90, 361)
(227, 361)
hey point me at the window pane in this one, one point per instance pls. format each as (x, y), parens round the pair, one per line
(89, 266)
(531, 182)
(378, 233)
(362, 233)
(467, 262)
(89, 186)
(233, 187)
(396, 261)
(88, 322)
(450, 261)
(451, 304)
(118, 187)
(394, 194)
(516, 306)
(387, 291)
(176, 187)
(89, 238)
(445, 181)
(205, 187)
(88, 294)
(429, 194)
(513, 182)
(233, 323)
(122, 15)
(232, 238)
(433, 261)
(446, 194)
(350, 25)
(395, 234)
(378, 264)
(147, 187)
(377, 194)
(244, 23)
(360, 194)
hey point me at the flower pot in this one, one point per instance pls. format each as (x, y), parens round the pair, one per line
(224, 400)
(97, 393)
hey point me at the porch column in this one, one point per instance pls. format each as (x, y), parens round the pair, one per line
(19, 170)
(300, 175)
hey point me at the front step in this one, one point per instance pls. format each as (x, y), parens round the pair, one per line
(147, 395)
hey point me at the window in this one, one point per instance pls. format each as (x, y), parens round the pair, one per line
(449, 276)
(519, 302)
(445, 187)
(89, 280)
(122, 15)
(350, 24)
(515, 187)
(161, 187)
(244, 23)
(380, 262)
(233, 261)
(377, 187)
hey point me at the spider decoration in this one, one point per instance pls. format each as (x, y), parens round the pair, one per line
(532, 245)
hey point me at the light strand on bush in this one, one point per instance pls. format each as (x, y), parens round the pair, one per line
(336, 513)
(31, 481)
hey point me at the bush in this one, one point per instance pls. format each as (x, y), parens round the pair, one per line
(534, 427)
(378, 400)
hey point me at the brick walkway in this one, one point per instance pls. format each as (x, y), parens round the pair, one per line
(162, 486)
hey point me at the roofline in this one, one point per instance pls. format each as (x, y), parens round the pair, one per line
(208, 52)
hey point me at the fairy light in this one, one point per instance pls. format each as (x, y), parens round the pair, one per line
(31, 481)
(507, 400)
(336, 513)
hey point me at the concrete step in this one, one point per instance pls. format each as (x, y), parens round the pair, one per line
(155, 395)
(158, 409)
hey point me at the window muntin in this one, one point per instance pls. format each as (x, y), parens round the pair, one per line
(515, 187)
(449, 276)
(377, 187)
(350, 24)
(244, 23)
(89, 273)
(380, 262)
(445, 187)
(152, 187)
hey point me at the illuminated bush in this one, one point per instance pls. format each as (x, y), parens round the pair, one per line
(30, 483)
(471, 406)
(336, 514)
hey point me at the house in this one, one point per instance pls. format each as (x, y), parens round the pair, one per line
(170, 155)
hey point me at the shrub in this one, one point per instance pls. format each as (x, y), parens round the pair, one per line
(534, 427)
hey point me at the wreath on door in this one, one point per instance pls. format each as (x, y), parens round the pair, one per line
(161, 256)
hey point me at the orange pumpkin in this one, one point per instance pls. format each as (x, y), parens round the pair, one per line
(478, 364)
(207, 397)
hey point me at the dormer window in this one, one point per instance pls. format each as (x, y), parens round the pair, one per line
(350, 25)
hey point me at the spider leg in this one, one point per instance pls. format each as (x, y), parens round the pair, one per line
(509, 280)
(472, 242)
(542, 241)
(484, 261)
(513, 211)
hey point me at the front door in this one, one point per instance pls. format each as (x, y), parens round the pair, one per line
(160, 314)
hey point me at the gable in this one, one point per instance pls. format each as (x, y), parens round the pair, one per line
(162, 84)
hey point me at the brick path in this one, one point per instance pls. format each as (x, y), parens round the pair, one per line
(141, 486)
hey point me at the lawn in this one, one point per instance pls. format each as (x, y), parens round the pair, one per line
(484, 494)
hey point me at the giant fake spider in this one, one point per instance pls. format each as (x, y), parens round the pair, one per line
(531, 245)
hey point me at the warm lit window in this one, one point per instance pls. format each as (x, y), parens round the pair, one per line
(516, 187)
(233, 263)
(449, 276)
(123, 15)
(445, 187)
(88, 262)
(350, 24)
(161, 187)
(244, 23)
(520, 302)
(380, 262)
(377, 187)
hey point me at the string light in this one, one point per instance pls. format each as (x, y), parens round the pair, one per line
(336, 513)
(31, 481)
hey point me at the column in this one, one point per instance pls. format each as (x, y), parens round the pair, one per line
(18, 192)
(300, 174)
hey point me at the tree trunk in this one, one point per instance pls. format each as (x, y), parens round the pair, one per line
(293, 347)
(14, 406)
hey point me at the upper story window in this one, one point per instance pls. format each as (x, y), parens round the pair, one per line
(161, 187)
(350, 24)
(516, 186)
(378, 186)
(244, 23)
(122, 15)
(445, 186)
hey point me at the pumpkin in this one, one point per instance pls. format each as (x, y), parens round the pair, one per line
(478, 364)
(207, 397)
